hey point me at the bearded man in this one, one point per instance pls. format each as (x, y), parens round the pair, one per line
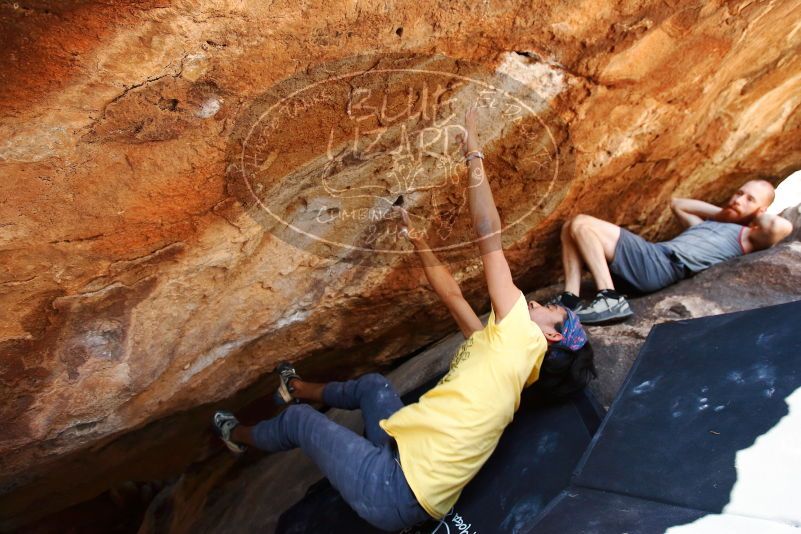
(713, 234)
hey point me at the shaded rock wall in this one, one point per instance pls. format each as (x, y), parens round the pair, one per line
(138, 290)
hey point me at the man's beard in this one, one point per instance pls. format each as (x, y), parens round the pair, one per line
(728, 215)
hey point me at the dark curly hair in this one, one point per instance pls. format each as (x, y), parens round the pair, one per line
(564, 372)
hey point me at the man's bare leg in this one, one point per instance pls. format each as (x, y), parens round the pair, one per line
(571, 260)
(592, 241)
(595, 240)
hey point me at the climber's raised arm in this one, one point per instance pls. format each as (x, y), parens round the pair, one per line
(690, 211)
(487, 225)
(442, 281)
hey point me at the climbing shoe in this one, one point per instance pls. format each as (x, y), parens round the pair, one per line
(567, 300)
(604, 309)
(286, 373)
(224, 424)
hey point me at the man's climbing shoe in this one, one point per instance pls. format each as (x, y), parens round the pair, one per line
(286, 373)
(567, 300)
(224, 424)
(604, 309)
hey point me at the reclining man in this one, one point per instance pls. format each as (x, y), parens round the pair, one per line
(415, 460)
(713, 234)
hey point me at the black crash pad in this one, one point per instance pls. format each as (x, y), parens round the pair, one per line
(582, 510)
(532, 464)
(700, 391)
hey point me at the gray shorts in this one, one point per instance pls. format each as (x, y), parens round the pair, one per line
(644, 265)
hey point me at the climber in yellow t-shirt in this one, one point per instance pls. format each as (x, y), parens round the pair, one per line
(414, 461)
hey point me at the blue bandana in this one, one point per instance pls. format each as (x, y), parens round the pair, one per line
(573, 335)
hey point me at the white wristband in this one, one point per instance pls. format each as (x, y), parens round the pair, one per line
(473, 155)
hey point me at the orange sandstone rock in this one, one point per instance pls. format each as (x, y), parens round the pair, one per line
(139, 288)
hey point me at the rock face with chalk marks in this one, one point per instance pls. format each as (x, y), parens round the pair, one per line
(142, 282)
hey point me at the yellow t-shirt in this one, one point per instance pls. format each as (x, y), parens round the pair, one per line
(445, 437)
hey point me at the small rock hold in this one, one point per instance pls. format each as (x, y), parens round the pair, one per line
(680, 310)
(194, 66)
(209, 108)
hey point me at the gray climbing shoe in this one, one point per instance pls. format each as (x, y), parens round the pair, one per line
(604, 309)
(286, 373)
(224, 424)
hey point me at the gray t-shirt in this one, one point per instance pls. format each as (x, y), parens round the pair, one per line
(703, 245)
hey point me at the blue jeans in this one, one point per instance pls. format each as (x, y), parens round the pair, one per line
(365, 470)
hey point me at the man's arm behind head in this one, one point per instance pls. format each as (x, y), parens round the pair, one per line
(690, 211)
(768, 229)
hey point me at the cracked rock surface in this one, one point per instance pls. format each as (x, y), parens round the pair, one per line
(139, 292)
